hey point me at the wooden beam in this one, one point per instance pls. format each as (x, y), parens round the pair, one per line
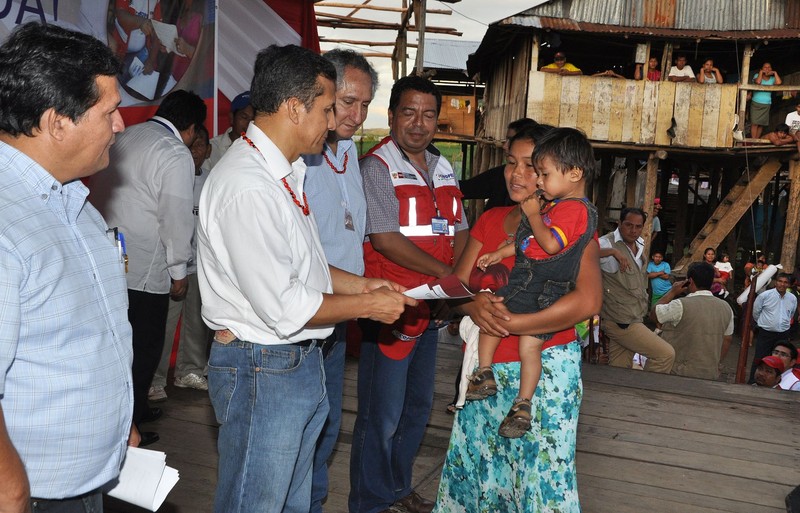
(632, 166)
(420, 22)
(680, 217)
(746, 55)
(790, 233)
(364, 43)
(728, 214)
(359, 7)
(446, 12)
(756, 87)
(649, 196)
(344, 23)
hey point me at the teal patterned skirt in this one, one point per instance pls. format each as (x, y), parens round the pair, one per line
(487, 473)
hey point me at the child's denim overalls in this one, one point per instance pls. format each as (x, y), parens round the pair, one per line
(533, 285)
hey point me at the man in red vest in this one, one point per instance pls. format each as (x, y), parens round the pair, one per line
(416, 229)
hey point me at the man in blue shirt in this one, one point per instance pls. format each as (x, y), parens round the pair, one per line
(336, 195)
(773, 312)
(65, 341)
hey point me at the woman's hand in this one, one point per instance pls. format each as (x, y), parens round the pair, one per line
(486, 311)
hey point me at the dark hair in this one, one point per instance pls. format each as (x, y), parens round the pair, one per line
(787, 276)
(788, 345)
(202, 132)
(632, 210)
(414, 83)
(568, 148)
(341, 59)
(45, 66)
(530, 132)
(519, 124)
(701, 274)
(183, 109)
(285, 72)
(783, 127)
(709, 248)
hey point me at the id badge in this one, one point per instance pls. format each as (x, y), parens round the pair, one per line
(439, 226)
(348, 221)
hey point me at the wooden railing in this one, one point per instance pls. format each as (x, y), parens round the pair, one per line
(635, 111)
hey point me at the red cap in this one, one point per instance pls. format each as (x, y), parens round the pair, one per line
(771, 361)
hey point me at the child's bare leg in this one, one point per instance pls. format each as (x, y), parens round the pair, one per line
(530, 355)
(487, 345)
(482, 383)
(517, 421)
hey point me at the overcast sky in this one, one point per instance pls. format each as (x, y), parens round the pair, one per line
(471, 17)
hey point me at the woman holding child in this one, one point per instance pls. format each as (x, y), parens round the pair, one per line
(484, 471)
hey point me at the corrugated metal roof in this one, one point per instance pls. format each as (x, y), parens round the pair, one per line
(567, 25)
(706, 16)
(448, 53)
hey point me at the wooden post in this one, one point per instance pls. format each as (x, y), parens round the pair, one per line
(632, 166)
(748, 52)
(680, 217)
(789, 249)
(601, 200)
(649, 195)
(747, 332)
(419, 20)
(666, 61)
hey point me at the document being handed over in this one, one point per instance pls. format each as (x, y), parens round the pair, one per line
(449, 287)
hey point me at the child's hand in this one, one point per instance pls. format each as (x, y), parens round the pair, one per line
(488, 259)
(532, 205)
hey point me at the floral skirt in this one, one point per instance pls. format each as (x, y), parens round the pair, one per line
(487, 473)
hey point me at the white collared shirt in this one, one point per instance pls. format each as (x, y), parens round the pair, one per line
(672, 312)
(261, 267)
(147, 192)
(609, 264)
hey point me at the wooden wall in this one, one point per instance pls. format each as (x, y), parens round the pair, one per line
(456, 117)
(635, 111)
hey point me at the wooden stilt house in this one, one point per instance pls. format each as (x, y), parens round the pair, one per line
(685, 142)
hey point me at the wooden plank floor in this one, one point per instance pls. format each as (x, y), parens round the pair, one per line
(645, 443)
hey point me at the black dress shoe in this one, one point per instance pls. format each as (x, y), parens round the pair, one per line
(151, 415)
(413, 503)
(148, 437)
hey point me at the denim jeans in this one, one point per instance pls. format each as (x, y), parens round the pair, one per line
(394, 402)
(334, 382)
(270, 401)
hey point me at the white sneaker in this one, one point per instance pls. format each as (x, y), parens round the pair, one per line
(157, 394)
(192, 381)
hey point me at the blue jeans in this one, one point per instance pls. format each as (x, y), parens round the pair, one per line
(334, 382)
(394, 402)
(271, 404)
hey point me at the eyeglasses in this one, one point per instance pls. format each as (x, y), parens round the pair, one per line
(778, 352)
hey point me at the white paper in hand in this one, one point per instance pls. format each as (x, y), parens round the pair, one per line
(145, 480)
(167, 34)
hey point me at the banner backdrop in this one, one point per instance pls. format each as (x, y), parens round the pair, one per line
(182, 57)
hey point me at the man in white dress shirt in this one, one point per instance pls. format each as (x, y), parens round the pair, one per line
(269, 292)
(147, 192)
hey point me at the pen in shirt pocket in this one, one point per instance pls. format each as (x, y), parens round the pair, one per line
(119, 241)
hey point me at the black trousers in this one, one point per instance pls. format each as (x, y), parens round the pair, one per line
(765, 341)
(91, 502)
(147, 314)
